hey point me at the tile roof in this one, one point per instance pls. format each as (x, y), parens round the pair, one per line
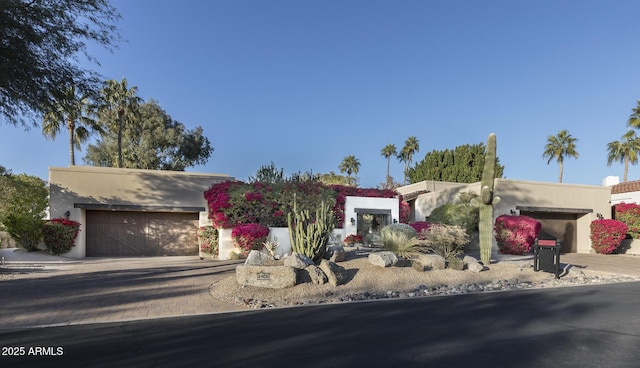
(626, 187)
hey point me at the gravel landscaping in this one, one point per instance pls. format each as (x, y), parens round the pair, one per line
(369, 282)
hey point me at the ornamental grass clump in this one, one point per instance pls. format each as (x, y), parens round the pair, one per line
(401, 239)
(446, 240)
(59, 235)
(516, 234)
(607, 235)
(248, 237)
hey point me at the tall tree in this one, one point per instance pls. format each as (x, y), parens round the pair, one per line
(388, 151)
(634, 118)
(153, 140)
(350, 165)
(116, 97)
(73, 113)
(268, 174)
(558, 147)
(463, 164)
(40, 47)
(625, 151)
(411, 147)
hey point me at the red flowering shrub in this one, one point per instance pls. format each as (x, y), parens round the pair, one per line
(232, 203)
(629, 214)
(59, 235)
(516, 234)
(421, 228)
(247, 237)
(405, 212)
(353, 239)
(607, 235)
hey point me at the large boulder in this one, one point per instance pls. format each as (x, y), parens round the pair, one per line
(273, 277)
(316, 275)
(425, 262)
(258, 258)
(383, 259)
(297, 260)
(336, 275)
(472, 264)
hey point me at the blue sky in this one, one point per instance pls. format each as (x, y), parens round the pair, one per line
(306, 83)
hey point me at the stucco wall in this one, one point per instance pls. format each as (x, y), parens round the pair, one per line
(69, 186)
(517, 193)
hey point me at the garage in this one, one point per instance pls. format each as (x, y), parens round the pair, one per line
(138, 234)
(557, 223)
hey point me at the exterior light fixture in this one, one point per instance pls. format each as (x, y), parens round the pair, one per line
(353, 221)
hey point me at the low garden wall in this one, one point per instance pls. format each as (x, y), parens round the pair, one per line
(629, 246)
(226, 249)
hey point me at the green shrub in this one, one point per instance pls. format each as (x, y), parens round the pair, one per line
(406, 229)
(59, 235)
(25, 230)
(461, 213)
(445, 240)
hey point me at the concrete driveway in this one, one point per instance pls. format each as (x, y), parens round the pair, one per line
(39, 290)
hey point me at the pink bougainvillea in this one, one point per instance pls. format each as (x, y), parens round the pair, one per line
(247, 237)
(607, 235)
(516, 234)
(421, 228)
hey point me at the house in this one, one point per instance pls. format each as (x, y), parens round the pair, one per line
(628, 191)
(565, 210)
(128, 212)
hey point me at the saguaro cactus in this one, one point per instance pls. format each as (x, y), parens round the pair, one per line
(487, 201)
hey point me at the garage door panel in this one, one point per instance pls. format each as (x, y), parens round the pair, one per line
(130, 234)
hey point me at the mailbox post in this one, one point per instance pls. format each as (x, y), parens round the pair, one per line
(546, 256)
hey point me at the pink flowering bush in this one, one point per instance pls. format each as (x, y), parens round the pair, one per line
(59, 235)
(607, 235)
(629, 214)
(208, 239)
(421, 228)
(232, 203)
(247, 237)
(516, 234)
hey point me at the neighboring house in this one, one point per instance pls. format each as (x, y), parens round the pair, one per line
(565, 210)
(628, 192)
(129, 213)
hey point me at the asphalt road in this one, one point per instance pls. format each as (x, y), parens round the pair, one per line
(588, 326)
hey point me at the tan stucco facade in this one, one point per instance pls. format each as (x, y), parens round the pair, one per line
(75, 189)
(552, 202)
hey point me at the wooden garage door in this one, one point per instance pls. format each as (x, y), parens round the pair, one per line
(132, 234)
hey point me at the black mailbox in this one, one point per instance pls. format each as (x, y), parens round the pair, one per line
(546, 256)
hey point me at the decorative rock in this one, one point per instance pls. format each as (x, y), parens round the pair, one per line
(429, 262)
(383, 259)
(335, 274)
(258, 258)
(273, 277)
(316, 275)
(299, 261)
(338, 256)
(472, 264)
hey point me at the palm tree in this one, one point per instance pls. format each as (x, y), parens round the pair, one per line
(117, 97)
(558, 147)
(73, 112)
(625, 151)
(350, 165)
(411, 146)
(634, 118)
(388, 151)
